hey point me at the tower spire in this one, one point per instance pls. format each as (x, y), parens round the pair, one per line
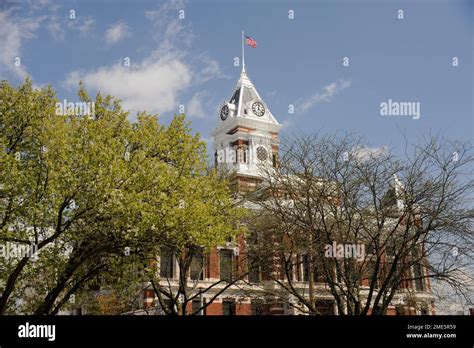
(243, 52)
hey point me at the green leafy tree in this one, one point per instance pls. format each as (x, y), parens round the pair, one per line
(91, 193)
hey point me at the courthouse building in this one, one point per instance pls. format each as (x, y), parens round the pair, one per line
(246, 135)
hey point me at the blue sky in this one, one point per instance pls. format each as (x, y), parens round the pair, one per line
(298, 61)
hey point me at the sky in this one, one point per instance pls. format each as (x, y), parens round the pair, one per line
(182, 54)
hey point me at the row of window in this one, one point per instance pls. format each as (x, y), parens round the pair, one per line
(242, 155)
(259, 307)
(227, 268)
(228, 307)
(167, 264)
(197, 269)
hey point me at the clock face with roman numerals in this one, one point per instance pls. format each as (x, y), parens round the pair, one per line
(224, 112)
(258, 109)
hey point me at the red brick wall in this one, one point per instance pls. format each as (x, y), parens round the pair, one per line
(214, 309)
(213, 267)
(243, 309)
(148, 297)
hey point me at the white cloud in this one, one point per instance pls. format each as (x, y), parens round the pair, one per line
(169, 31)
(38, 4)
(55, 28)
(195, 107)
(151, 86)
(59, 22)
(117, 32)
(326, 95)
(156, 83)
(14, 31)
(210, 70)
(59, 26)
(164, 9)
(81, 24)
(366, 153)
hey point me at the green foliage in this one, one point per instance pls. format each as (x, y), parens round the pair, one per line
(85, 188)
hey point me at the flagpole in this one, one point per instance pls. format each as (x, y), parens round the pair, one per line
(243, 52)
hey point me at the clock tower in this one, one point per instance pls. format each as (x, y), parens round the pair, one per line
(246, 136)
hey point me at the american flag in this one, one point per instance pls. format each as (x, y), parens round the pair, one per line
(251, 42)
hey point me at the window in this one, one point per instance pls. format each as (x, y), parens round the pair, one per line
(395, 275)
(298, 274)
(378, 309)
(235, 97)
(255, 275)
(399, 309)
(262, 153)
(254, 261)
(254, 269)
(349, 269)
(228, 307)
(289, 269)
(307, 267)
(370, 248)
(419, 280)
(195, 307)
(197, 265)
(166, 263)
(371, 274)
(257, 307)
(167, 306)
(391, 249)
(325, 307)
(225, 264)
(327, 271)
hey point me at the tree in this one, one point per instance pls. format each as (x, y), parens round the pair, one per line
(366, 228)
(202, 225)
(91, 194)
(201, 215)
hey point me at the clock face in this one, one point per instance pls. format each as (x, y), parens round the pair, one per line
(224, 112)
(258, 109)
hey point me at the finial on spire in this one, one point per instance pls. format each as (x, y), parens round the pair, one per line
(243, 52)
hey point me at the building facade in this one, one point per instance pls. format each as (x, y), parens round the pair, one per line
(247, 136)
